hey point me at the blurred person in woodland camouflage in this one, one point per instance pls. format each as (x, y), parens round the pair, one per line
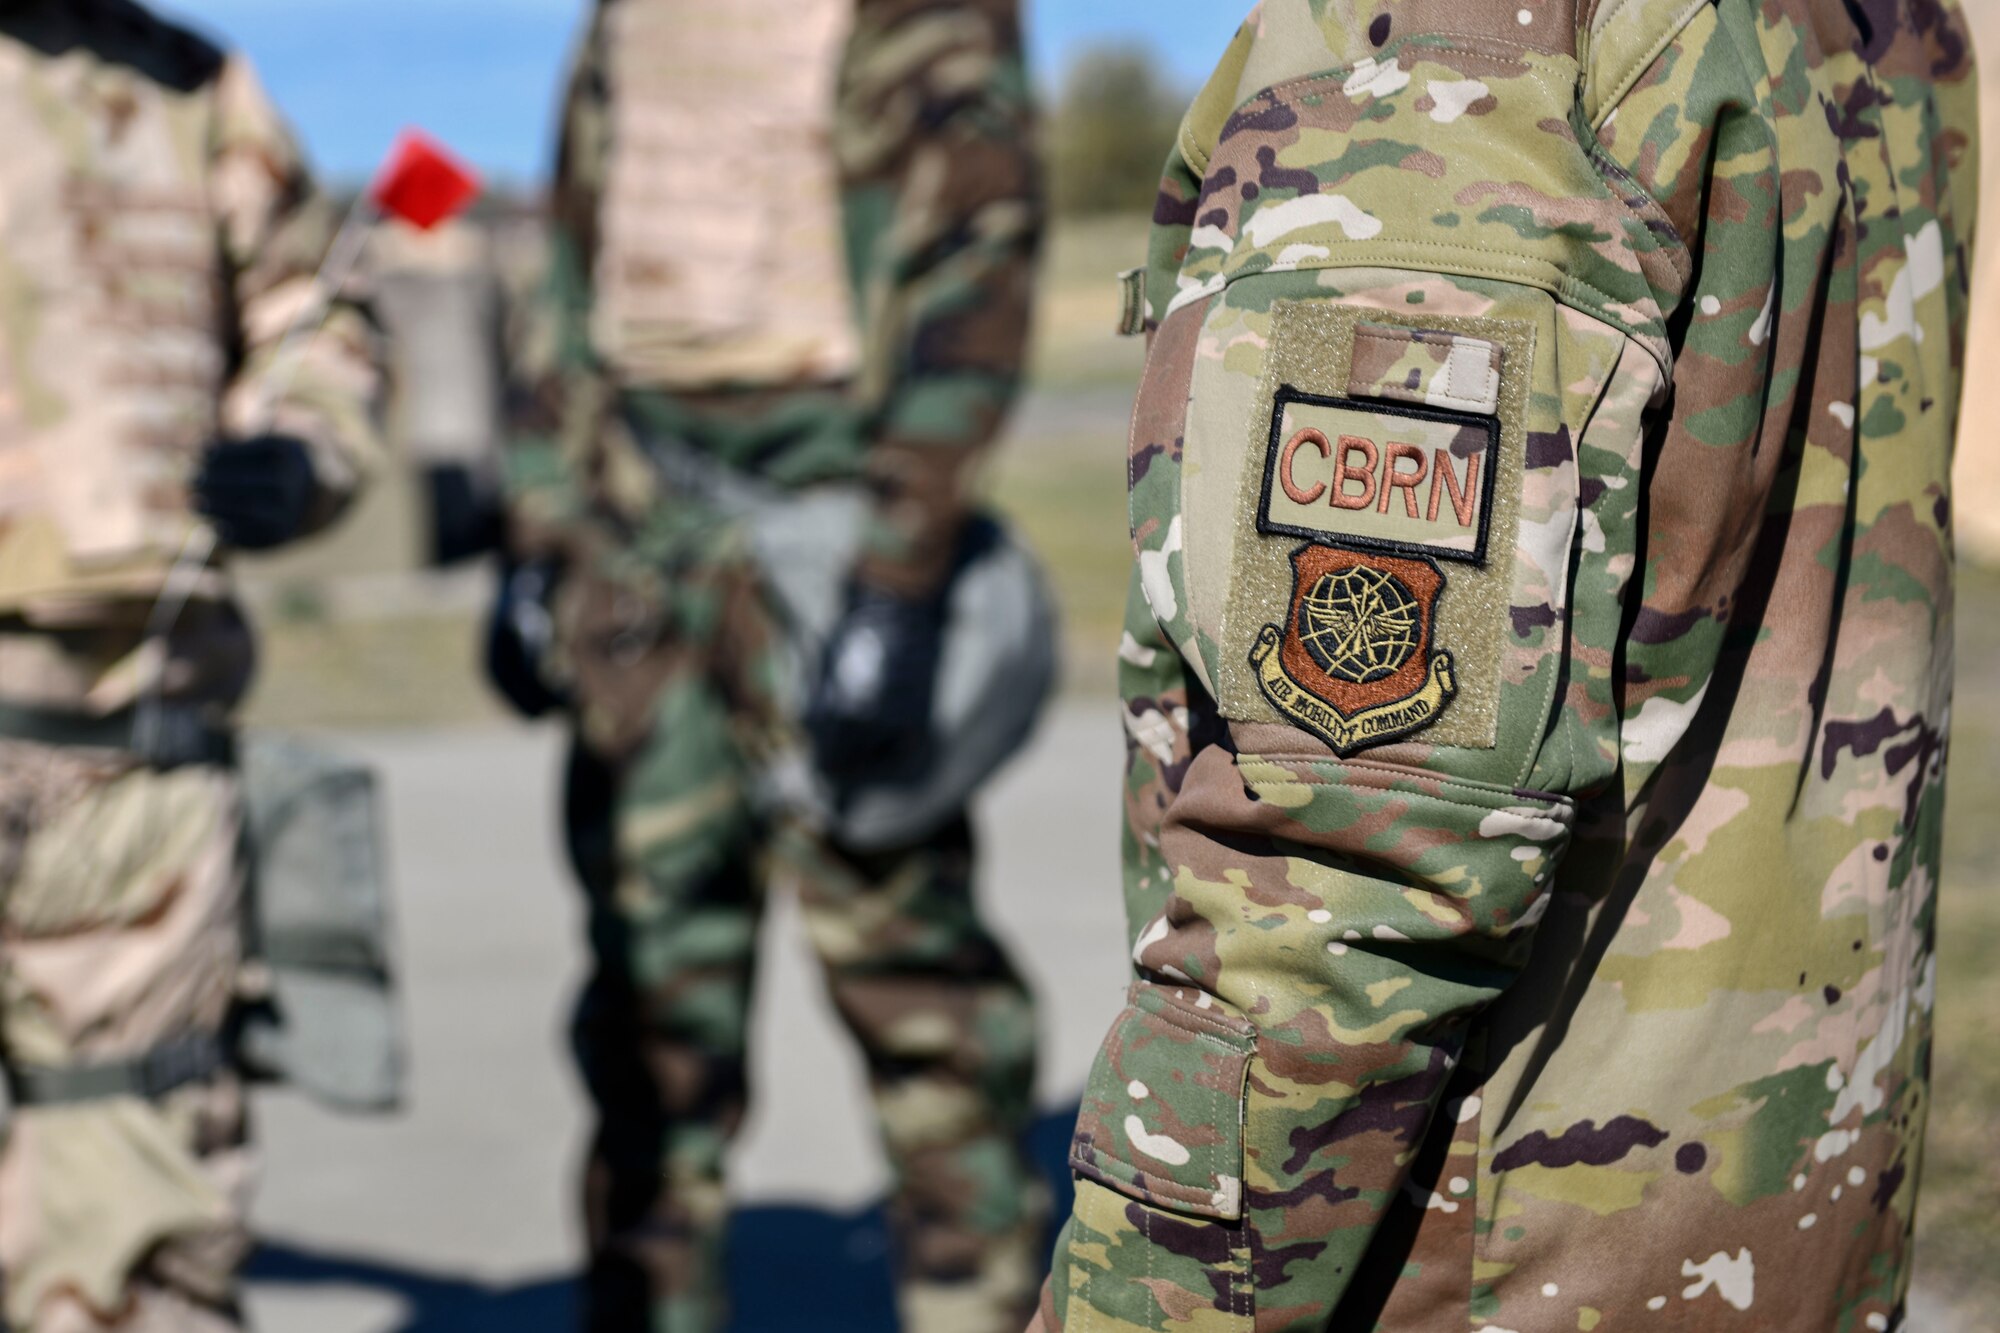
(158, 234)
(793, 253)
(1539, 674)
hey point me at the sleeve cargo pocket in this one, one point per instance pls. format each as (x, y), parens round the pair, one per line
(1159, 1158)
(1162, 1117)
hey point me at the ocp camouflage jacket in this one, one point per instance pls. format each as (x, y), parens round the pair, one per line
(1538, 674)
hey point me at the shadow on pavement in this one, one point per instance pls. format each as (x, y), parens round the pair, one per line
(436, 1303)
(778, 1254)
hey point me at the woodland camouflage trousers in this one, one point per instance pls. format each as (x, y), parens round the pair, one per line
(677, 862)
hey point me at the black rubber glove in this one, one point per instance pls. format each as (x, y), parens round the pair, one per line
(259, 493)
(870, 711)
(520, 634)
(467, 519)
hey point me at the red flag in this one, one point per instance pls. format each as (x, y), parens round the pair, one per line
(423, 183)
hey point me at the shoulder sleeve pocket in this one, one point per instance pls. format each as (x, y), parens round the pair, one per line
(1162, 1118)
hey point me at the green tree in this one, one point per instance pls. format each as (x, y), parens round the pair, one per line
(1114, 124)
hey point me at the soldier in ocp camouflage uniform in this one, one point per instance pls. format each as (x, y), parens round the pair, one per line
(794, 245)
(158, 233)
(1539, 674)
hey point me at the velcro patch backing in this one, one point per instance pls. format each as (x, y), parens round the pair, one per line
(1426, 366)
(1370, 447)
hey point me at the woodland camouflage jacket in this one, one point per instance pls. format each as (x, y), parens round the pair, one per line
(799, 234)
(158, 234)
(1538, 675)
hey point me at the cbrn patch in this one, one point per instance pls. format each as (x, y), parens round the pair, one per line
(1354, 662)
(1381, 476)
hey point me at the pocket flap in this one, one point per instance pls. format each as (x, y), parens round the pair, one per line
(1162, 1118)
(1428, 367)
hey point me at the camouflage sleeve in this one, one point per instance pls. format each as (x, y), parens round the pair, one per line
(275, 230)
(1409, 332)
(1168, 718)
(555, 384)
(943, 198)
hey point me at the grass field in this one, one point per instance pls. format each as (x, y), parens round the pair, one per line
(1959, 1227)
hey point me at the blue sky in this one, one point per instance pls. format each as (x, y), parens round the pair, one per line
(483, 74)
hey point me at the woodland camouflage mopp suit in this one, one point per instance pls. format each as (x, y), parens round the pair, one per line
(737, 183)
(1539, 674)
(158, 233)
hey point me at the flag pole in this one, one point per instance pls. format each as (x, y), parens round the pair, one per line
(342, 257)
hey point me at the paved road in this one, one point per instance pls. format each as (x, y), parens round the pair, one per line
(458, 1216)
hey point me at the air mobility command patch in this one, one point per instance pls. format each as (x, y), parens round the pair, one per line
(1353, 663)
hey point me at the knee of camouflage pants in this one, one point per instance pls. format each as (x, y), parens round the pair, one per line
(122, 901)
(948, 1030)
